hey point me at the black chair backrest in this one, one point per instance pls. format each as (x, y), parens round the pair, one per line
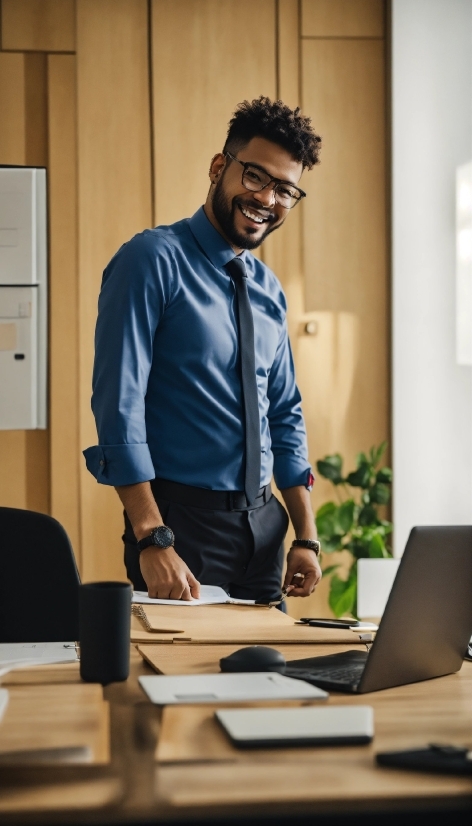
(39, 580)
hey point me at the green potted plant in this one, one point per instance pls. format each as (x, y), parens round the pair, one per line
(353, 524)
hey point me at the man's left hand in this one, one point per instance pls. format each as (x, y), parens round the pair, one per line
(305, 563)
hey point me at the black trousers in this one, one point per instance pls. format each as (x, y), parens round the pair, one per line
(240, 550)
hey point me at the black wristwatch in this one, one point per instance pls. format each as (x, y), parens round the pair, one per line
(161, 537)
(311, 544)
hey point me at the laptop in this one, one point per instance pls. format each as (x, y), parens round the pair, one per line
(426, 625)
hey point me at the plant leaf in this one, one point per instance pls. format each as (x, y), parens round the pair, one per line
(380, 493)
(331, 468)
(387, 526)
(368, 516)
(342, 595)
(384, 475)
(378, 452)
(360, 478)
(331, 544)
(345, 517)
(325, 519)
(377, 548)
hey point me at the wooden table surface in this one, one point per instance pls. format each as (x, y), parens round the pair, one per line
(198, 774)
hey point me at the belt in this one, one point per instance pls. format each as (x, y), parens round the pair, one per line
(218, 500)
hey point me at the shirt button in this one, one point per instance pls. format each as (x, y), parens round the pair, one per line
(102, 462)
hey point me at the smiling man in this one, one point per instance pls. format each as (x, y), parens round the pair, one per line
(194, 392)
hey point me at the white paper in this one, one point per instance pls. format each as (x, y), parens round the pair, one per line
(15, 655)
(209, 595)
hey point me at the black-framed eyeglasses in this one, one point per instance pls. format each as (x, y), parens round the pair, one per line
(255, 179)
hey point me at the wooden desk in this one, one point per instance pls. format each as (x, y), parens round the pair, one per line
(202, 777)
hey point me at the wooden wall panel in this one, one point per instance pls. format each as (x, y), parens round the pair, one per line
(12, 151)
(63, 305)
(282, 251)
(114, 185)
(208, 55)
(24, 478)
(343, 18)
(36, 107)
(38, 25)
(345, 246)
(37, 468)
(12, 108)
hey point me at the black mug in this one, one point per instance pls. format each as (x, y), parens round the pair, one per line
(104, 631)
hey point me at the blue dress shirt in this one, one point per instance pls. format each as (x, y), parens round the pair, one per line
(166, 384)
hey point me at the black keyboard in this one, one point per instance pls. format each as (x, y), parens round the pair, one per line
(335, 672)
(349, 675)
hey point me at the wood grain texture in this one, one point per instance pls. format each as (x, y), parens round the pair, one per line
(12, 151)
(216, 624)
(38, 25)
(407, 716)
(50, 716)
(345, 375)
(52, 797)
(64, 290)
(24, 482)
(282, 251)
(37, 467)
(36, 106)
(46, 674)
(114, 180)
(12, 106)
(192, 733)
(192, 784)
(226, 53)
(343, 18)
(205, 659)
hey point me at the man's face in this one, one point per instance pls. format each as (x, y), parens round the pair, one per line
(247, 217)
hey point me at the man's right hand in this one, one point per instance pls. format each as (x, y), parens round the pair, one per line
(166, 575)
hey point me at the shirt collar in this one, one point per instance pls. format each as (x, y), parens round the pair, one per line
(212, 243)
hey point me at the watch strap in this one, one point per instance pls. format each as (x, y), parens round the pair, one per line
(311, 544)
(160, 537)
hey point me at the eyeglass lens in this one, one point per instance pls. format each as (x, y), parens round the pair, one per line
(255, 180)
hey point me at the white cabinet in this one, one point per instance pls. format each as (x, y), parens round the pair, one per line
(23, 298)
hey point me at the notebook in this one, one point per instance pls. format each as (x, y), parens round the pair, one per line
(305, 726)
(232, 688)
(24, 654)
(209, 595)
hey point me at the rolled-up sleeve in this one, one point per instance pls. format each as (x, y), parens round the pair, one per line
(287, 427)
(136, 288)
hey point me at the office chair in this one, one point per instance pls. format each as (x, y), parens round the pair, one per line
(39, 580)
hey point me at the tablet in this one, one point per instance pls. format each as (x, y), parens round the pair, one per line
(232, 688)
(306, 726)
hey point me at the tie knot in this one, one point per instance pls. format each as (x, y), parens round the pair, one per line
(237, 268)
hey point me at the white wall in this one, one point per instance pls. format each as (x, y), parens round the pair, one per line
(432, 134)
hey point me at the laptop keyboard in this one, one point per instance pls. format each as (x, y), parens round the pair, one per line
(347, 674)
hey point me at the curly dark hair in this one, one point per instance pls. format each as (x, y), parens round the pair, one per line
(278, 123)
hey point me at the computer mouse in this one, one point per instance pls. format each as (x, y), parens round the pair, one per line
(254, 658)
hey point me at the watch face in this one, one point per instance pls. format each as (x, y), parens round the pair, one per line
(162, 536)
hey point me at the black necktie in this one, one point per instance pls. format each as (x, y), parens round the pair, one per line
(252, 427)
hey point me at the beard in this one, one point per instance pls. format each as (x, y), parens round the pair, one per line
(224, 213)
